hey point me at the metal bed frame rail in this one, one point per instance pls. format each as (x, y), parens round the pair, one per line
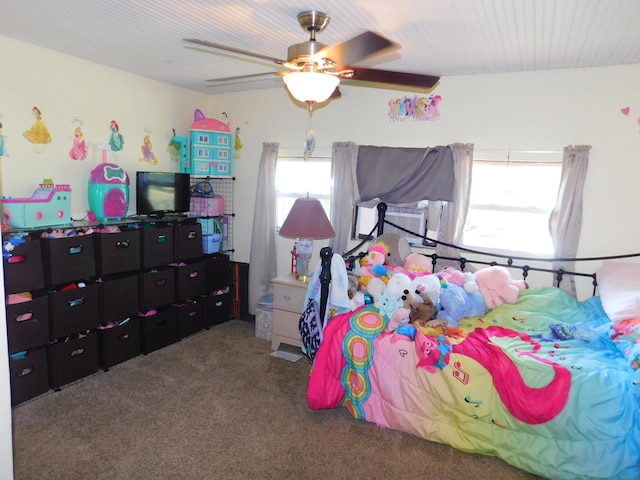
(509, 261)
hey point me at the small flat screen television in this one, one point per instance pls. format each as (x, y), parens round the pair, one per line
(162, 193)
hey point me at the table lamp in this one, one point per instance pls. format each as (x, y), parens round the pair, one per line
(306, 222)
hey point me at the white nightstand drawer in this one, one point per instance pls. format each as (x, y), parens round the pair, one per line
(288, 298)
(287, 326)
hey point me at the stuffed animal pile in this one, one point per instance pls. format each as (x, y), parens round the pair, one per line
(400, 284)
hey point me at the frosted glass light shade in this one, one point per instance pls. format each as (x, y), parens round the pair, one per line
(311, 86)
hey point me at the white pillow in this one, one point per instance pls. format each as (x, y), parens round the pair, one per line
(619, 288)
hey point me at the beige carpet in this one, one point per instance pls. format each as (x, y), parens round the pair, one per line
(217, 405)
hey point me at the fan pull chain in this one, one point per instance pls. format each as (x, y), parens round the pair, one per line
(310, 139)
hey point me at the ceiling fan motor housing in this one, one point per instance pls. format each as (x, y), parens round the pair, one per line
(301, 54)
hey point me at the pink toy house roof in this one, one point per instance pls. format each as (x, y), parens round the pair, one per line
(210, 124)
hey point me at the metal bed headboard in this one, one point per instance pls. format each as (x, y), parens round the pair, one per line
(509, 261)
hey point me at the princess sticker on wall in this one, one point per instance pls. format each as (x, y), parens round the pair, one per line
(237, 144)
(116, 141)
(3, 150)
(79, 149)
(415, 108)
(147, 151)
(174, 148)
(38, 133)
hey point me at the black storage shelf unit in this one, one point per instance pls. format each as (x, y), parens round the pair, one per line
(82, 303)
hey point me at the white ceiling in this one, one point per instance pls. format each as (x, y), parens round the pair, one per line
(438, 37)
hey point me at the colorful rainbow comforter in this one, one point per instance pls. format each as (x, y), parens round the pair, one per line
(543, 384)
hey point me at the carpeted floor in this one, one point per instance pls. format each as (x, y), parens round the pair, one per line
(217, 405)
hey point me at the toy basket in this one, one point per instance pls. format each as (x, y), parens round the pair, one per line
(212, 235)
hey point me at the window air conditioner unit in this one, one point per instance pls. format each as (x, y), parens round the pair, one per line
(413, 221)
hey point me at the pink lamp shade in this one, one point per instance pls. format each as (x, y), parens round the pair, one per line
(307, 219)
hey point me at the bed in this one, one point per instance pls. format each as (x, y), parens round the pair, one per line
(548, 383)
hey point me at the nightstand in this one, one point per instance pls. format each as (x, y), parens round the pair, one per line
(288, 305)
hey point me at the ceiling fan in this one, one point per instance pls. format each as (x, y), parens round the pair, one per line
(315, 70)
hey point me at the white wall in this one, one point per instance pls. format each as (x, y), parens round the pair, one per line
(522, 111)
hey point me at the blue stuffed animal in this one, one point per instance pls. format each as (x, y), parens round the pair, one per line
(456, 303)
(388, 303)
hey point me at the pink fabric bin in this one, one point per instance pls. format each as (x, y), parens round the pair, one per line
(207, 206)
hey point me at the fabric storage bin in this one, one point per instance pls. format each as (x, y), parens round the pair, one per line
(29, 375)
(206, 206)
(75, 310)
(28, 322)
(211, 243)
(190, 317)
(218, 270)
(119, 297)
(264, 318)
(157, 245)
(23, 270)
(188, 241)
(159, 330)
(213, 238)
(72, 358)
(118, 342)
(218, 309)
(68, 259)
(117, 252)
(157, 288)
(190, 280)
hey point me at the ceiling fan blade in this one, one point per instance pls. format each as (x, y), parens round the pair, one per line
(389, 77)
(358, 48)
(243, 77)
(218, 46)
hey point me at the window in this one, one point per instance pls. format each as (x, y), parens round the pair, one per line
(296, 177)
(411, 219)
(511, 202)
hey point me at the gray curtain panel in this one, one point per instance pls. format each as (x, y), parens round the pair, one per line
(565, 221)
(405, 175)
(263, 238)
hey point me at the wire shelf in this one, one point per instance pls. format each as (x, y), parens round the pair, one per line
(219, 224)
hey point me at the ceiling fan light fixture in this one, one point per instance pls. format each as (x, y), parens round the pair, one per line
(311, 86)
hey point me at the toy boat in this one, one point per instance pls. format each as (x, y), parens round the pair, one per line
(49, 205)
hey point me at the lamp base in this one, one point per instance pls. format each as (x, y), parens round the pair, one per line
(305, 253)
(303, 278)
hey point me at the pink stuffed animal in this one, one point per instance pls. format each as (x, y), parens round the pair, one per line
(466, 280)
(452, 275)
(372, 266)
(400, 317)
(497, 287)
(417, 263)
(395, 246)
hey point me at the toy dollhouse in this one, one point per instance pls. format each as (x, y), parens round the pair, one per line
(211, 148)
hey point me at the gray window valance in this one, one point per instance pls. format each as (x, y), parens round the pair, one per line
(404, 175)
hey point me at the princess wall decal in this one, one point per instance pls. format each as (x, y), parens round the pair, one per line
(38, 133)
